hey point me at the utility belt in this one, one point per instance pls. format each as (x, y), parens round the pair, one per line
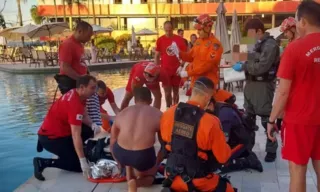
(261, 78)
(65, 83)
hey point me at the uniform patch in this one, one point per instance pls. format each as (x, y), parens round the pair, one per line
(183, 129)
(79, 117)
(216, 46)
(208, 44)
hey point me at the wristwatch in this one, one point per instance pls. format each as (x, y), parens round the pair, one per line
(271, 122)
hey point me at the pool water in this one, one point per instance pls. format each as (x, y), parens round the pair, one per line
(24, 101)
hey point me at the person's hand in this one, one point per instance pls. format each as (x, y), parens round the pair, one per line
(183, 74)
(95, 128)
(237, 66)
(271, 130)
(179, 70)
(85, 167)
(175, 49)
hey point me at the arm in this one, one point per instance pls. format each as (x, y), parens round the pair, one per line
(67, 69)
(267, 58)
(86, 118)
(220, 148)
(115, 108)
(157, 58)
(112, 102)
(114, 134)
(209, 59)
(77, 140)
(186, 56)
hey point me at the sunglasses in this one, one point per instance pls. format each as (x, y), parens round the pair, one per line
(149, 75)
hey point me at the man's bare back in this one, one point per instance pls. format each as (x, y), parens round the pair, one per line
(138, 126)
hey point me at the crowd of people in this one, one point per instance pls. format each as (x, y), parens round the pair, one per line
(206, 134)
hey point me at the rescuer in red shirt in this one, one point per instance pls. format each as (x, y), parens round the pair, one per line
(151, 75)
(298, 96)
(169, 61)
(70, 53)
(63, 132)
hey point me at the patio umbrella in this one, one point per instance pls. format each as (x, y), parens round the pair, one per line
(25, 30)
(235, 30)
(133, 36)
(97, 29)
(275, 32)
(221, 31)
(6, 33)
(48, 29)
(145, 32)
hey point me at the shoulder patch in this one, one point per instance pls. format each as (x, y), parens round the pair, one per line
(216, 46)
(79, 117)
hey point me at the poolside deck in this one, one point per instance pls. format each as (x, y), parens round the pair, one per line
(275, 177)
(23, 68)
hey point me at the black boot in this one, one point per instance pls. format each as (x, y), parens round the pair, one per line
(270, 157)
(38, 164)
(254, 162)
(234, 165)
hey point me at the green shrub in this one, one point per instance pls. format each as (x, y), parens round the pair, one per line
(106, 42)
(123, 39)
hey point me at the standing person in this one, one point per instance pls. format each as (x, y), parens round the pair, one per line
(169, 61)
(288, 27)
(181, 34)
(132, 144)
(70, 53)
(93, 52)
(260, 79)
(63, 132)
(193, 39)
(205, 55)
(195, 142)
(298, 96)
(151, 75)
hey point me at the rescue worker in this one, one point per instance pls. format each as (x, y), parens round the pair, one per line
(288, 27)
(70, 57)
(238, 136)
(205, 55)
(195, 143)
(65, 129)
(222, 95)
(169, 61)
(260, 69)
(150, 74)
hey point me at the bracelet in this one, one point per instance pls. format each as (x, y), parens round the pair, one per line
(273, 122)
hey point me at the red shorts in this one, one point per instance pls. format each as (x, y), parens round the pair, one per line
(175, 80)
(300, 142)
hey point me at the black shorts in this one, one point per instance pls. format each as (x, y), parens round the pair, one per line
(141, 160)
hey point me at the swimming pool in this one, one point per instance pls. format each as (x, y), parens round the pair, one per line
(24, 101)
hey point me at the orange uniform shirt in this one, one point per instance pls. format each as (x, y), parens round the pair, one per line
(204, 58)
(209, 137)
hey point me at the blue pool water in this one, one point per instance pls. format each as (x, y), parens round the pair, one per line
(24, 101)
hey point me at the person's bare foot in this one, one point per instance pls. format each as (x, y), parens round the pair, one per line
(132, 185)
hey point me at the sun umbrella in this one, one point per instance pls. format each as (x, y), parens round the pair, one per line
(235, 30)
(275, 32)
(97, 29)
(221, 31)
(25, 30)
(145, 32)
(48, 29)
(6, 33)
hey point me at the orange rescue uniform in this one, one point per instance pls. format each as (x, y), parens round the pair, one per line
(222, 95)
(209, 137)
(204, 58)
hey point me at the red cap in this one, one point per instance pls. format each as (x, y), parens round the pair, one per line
(287, 24)
(152, 71)
(202, 21)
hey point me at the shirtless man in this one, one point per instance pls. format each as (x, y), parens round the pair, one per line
(133, 138)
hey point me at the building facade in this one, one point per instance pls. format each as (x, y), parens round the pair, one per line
(123, 14)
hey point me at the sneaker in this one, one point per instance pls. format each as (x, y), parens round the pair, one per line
(38, 168)
(270, 157)
(254, 162)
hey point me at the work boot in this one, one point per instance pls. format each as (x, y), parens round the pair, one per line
(254, 162)
(270, 157)
(38, 165)
(234, 165)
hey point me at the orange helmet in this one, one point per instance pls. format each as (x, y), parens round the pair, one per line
(287, 24)
(203, 20)
(151, 71)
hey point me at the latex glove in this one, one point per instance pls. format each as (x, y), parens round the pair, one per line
(186, 85)
(95, 128)
(85, 167)
(237, 66)
(175, 49)
(179, 70)
(183, 74)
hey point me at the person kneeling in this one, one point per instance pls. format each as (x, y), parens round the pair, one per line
(238, 137)
(133, 138)
(63, 132)
(195, 144)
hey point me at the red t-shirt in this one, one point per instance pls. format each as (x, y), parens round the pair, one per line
(138, 77)
(109, 96)
(71, 51)
(169, 61)
(67, 110)
(301, 64)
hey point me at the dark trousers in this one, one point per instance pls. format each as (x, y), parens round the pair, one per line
(65, 83)
(64, 149)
